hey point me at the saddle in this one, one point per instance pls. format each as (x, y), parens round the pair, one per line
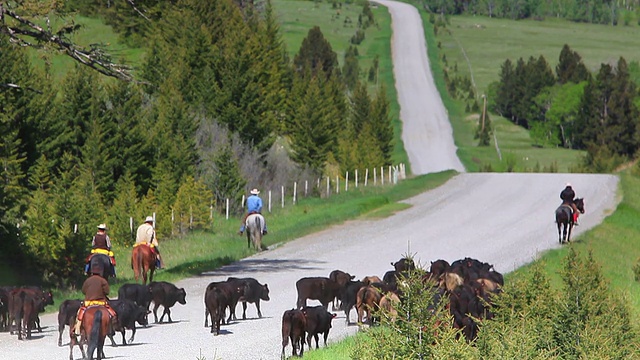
(95, 303)
(109, 253)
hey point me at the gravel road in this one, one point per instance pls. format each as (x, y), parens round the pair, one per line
(503, 219)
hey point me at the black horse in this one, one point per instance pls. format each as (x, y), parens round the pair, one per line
(103, 261)
(564, 219)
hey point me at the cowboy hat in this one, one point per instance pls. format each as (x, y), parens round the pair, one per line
(102, 227)
(568, 185)
(255, 192)
(149, 219)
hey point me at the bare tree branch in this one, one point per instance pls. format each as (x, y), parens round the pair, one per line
(94, 57)
(10, 86)
(133, 5)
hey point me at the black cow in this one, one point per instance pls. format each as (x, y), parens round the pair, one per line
(128, 313)
(319, 288)
(232, 292)
(348, 299)
(341, 278)
(438, 268)
(166, 294)
(138, 293)
(252, 292)
(318, 322)
(294, 324)
(404, 265)
(216, 300)
(67, 316)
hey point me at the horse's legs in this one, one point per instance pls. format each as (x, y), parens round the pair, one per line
(155, 312)
(570, 226)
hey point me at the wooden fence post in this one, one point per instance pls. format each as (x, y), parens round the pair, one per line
(282, 195)
(295, 189)
(269, 200)
(375, 178)
(337, 184)
(356, 178)
(382, 175)
(346, 182)
(366, 176)
(328, 186)
(227, 209)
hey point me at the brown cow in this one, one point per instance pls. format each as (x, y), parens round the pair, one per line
(294, 324)
(216, 300)
(341, 278)
(318, 288)
(389, 304)
(367, 302)
(368, 280)
(24, 306)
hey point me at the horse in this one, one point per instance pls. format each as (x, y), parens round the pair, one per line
(96, 327)
(564, 219)
(255, 227)
(143, 262)
(104, 262)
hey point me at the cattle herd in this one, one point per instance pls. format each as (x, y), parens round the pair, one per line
(467, 284)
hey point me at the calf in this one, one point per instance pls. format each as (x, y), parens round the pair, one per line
(128, 313)
(140, 294)
(341, 278)
(216, 300)
(67, 316)
(166, 294)
(294, 324)
(367, 302)
(389, 304)
(349, 297)
(233, 292)
(252, 292)
(318, 322)
(319, 288)
(24, 305)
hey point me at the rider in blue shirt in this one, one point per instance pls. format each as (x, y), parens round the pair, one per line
(254, 206)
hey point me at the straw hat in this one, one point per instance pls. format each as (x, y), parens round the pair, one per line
(102, 227)
(149, 219)
(255, 192)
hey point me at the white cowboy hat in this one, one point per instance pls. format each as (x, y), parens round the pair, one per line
(568, 184)
(255, 192)
(149, 219)
(102, 227)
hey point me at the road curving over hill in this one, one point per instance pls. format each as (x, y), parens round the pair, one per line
(503, 219)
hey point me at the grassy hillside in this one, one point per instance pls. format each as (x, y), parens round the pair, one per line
(489, 42)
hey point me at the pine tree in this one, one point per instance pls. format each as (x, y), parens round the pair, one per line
(125, 206)
(316, 55)
(621, 125)
(350, 69)
(381, 123)
(570, 67)
(360, 108)
(191, 208)
(505, 99)
(228, 182)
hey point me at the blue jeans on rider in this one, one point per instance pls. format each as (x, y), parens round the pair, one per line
(242, 228)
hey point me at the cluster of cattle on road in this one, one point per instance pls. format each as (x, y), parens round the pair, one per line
(20, 308)
(467, 284)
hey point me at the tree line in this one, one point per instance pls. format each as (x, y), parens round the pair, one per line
(217, 106)
(586, 11)
(571, 107)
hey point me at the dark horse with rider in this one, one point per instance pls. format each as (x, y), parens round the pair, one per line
(567, 213)
(101, 253)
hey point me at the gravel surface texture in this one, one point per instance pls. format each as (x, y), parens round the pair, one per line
(503, 219)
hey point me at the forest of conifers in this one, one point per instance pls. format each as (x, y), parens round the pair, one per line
(216, 107)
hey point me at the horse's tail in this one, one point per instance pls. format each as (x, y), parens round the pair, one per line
(94, 337)
(259, 223)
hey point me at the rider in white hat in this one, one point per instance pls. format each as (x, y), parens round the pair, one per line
(147, 234)
(254, 206)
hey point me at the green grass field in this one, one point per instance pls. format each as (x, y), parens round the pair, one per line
(488, 42)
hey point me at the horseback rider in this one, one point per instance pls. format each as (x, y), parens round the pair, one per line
(95, 290)
(101, 244)
(568, 196)
(254, 206)
(147, 234)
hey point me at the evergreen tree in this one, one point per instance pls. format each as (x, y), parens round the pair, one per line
(381, 123)
(228, 182)
(315, 55)
(505, 98)
(620, 131)
(191, 208)
(125, 206)
(350, 70)
(360, 113)
(570, 67)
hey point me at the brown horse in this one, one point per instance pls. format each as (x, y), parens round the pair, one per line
(143, 261)
(564, 219)
(95, 328)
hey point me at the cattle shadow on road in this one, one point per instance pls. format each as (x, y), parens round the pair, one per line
(248, 266)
